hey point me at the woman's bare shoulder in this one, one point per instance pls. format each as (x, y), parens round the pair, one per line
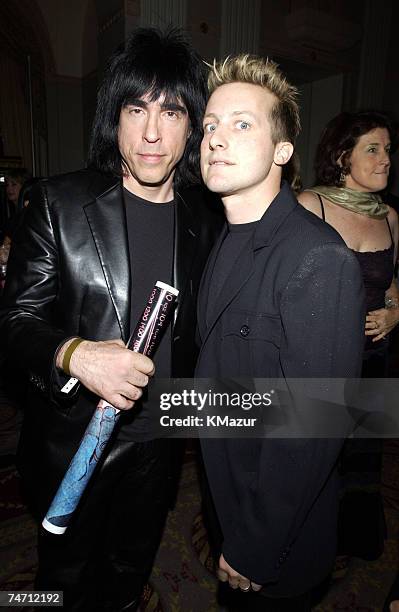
(310, 201)
(394, 224)
(393, 217)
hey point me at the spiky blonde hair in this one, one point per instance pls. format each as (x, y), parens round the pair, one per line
(246, 68)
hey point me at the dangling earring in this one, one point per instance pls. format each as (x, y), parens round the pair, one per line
(342, 177)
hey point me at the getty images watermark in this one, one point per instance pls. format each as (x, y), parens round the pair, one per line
(275, 408)
(212, 399)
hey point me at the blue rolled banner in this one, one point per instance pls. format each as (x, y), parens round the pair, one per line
(145, 339)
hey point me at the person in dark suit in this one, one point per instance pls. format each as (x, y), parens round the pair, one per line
(92, 245)
(281, 297)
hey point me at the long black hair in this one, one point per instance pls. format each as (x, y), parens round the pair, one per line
(151, 63)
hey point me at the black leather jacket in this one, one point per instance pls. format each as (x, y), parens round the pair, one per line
(69, 275)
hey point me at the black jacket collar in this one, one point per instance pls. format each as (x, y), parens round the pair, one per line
(279, 209)
(275, 215)
(107, 219)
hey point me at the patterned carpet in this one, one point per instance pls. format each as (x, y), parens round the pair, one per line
(182, 579)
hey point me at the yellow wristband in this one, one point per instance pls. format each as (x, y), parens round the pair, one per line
(66, 360)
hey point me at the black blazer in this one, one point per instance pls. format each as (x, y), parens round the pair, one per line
(293, 307)
(69, 274)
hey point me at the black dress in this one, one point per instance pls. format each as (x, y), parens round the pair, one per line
(361, 523)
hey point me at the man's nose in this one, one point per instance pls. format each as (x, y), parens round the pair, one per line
(218, 139)
(151, 129)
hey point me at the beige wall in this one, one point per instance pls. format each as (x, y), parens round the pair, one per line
(317, 44)
(65, 21)
(73, 32)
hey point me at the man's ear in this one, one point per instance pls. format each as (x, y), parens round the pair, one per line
(283, 153)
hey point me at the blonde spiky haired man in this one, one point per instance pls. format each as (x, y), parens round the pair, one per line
(281, 297)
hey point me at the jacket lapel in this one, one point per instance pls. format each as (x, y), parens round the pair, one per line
(107, 219)
(239, 275)
(268, 226)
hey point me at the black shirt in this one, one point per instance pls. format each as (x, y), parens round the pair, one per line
(150, 227)
(227, 258)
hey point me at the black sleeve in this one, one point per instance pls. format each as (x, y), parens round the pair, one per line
(28, 326)
(322, 313)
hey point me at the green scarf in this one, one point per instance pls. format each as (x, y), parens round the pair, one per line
(364, 203)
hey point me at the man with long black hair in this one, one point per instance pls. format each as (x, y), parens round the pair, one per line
(92, 246)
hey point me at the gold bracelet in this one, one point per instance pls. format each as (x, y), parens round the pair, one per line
(66, 360)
